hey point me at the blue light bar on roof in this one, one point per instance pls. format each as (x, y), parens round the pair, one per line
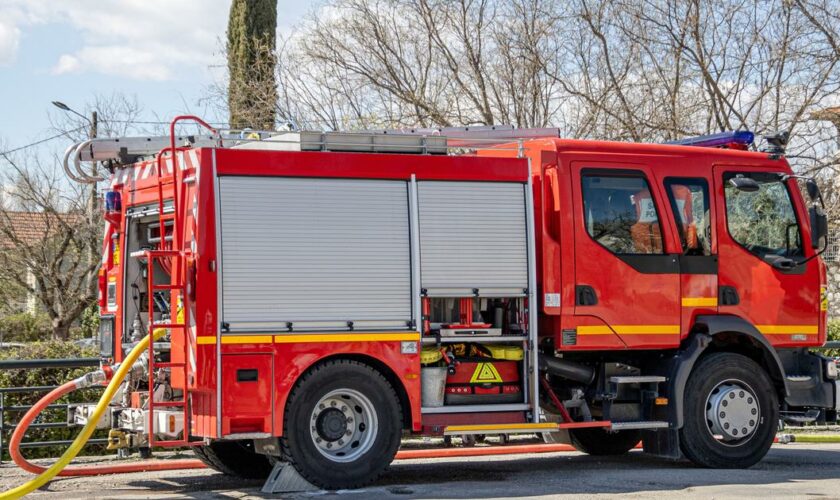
(742, 137)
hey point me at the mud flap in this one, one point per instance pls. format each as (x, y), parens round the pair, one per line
(663, 443)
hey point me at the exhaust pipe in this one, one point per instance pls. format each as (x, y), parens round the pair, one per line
(566, 369)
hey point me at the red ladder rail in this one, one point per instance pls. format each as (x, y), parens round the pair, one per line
(175, 255)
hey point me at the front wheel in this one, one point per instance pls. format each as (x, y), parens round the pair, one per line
(731, 412)
(342, 425)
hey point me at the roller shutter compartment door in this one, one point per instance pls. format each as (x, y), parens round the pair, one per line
(473, 235)
(314, 253)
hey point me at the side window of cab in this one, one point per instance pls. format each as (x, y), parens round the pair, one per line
(689, 199)
(620, 213)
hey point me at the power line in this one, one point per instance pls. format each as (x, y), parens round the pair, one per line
(62, 134)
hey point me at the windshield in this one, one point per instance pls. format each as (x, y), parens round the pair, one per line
(763, 221)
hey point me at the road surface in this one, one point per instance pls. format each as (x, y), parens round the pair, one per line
(794, 470)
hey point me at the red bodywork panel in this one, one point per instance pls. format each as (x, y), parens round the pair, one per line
(635, 309)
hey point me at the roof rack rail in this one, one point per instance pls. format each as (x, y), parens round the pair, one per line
(477, 136)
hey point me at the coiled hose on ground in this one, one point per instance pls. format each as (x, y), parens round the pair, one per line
(59, 468)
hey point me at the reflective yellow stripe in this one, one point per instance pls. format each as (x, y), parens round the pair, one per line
(345, 337)
(788, 329)
(699, 302)
(311, 337)
(500, 427)
(246, 339)
(629, 330)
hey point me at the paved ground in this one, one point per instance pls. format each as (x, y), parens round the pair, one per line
(789, 471)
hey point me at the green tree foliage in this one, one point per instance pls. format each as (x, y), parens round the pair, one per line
(252, 90)
(833, 334)
(25, 327)
(89, 324)
(47, 377)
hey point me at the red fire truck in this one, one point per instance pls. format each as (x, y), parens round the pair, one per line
(313, 297)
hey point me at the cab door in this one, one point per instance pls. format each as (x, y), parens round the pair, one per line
(761, 244)
(627, 281)
(694, 215)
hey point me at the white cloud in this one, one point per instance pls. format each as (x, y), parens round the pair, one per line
(66, 64)
(121, 61)
(139, 39)
(9, 42)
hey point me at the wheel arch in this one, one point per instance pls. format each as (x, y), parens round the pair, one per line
(379, 366)
(722, 333)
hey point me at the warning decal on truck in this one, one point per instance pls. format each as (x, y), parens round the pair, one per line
(485, 373)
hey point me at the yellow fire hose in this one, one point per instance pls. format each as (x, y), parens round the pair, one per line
(88, 429)
(809, 438)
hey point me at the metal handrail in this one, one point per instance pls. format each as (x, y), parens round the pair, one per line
(25, 364)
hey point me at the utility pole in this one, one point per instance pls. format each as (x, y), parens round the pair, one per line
(93, 201)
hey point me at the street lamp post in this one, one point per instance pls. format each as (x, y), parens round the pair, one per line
(92, 197)
(94, 126)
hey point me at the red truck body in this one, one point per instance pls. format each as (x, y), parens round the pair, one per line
(688, 288)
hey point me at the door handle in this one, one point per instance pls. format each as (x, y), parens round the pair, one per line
(728, 296)
(585, 296)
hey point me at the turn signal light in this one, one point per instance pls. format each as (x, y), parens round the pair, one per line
(661, 401)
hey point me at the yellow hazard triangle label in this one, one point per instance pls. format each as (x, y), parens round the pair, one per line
(485, 373)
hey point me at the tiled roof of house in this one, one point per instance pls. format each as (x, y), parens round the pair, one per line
(831, 114)
(28, 227)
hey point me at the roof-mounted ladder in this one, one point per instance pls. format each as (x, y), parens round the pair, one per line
(126, 150)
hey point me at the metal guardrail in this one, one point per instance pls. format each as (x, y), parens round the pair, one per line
(834, 344)
(24, 364)
(28, 364)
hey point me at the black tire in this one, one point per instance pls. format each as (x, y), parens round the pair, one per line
(697, 441)
(234, 458)
(375, 453)
(599, 442)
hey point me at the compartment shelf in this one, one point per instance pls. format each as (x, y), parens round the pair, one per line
(476, 338)
(476, 408)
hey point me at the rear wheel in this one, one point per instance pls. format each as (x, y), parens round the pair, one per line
(342, 425)
(731, 412)
(234, 458)
(597, 441)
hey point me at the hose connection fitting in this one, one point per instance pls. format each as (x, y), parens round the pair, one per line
(96, 377)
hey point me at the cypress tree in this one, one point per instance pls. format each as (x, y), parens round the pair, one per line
(252, 89)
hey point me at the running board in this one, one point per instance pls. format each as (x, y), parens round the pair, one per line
(626, 426)
(523, 428)
(637, 379)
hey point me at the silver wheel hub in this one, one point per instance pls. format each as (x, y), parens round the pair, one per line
(343, 425)
(732, 411)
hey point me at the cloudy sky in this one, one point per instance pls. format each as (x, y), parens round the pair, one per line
(162, 51)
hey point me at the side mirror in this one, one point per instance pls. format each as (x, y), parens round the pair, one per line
(813, 189)
(745, 184)
(819, 226)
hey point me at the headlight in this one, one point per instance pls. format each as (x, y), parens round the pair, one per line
(831, 370)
